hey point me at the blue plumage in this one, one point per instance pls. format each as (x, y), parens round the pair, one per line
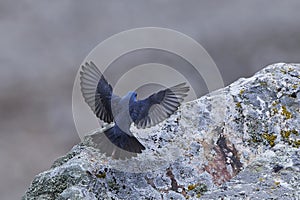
(98, 94)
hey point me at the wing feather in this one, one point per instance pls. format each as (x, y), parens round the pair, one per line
(157, 107)
(97, 92)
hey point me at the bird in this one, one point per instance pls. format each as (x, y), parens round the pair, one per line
(118, 141)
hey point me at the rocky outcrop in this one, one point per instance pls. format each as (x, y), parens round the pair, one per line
(239, 142)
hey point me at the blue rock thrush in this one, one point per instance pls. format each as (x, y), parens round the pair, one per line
(118, 141)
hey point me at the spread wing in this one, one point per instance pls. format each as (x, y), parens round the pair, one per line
(97, 92)
(158, 106)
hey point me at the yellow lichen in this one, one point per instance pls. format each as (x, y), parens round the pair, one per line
(238, 104)
(286, 137)
(263, 83)
(273, 187)
(285, 134)
(255, 139)
(275, 111)
(277, 183)
(297, 143)
(286, 113)
(242, 91)
(198, 188)
(290, 69)
(261, 179)
(192, 186)
(283, 71)
(270, 138)
(274, 103)
(101, 175)
(295, 132)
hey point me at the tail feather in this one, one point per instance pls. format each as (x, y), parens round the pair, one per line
(123, 140)
(117, 144)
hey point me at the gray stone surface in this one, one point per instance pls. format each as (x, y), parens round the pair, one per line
(240, 142)
(44, 42)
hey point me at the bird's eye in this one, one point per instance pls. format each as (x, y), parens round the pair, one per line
(135, 94)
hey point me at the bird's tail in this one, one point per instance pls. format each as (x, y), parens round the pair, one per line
(117, 144)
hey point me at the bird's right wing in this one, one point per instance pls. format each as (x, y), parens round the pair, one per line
(97, 92)
(158, 106)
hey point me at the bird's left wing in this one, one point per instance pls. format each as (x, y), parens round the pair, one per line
(158, 106)
(97, 92)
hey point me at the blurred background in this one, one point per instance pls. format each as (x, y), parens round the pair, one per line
(43, 43)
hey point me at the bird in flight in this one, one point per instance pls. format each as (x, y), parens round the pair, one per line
(118, 141)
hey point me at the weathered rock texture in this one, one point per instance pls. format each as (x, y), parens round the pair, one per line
(240, 142)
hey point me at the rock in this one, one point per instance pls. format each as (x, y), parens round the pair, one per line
(240, 142)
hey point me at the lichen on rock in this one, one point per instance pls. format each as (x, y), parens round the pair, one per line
(238, 142)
